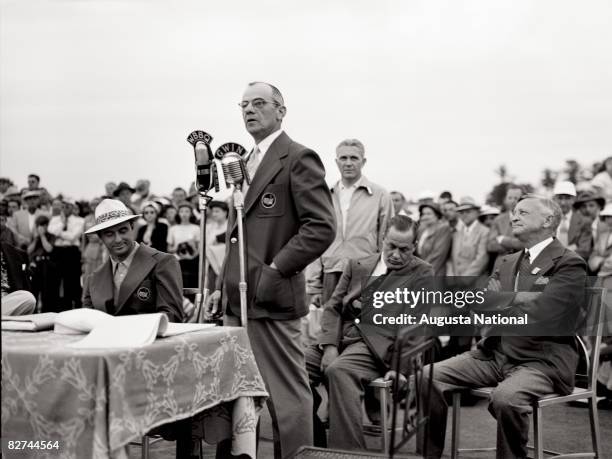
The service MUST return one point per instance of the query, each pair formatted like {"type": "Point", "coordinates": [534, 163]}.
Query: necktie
{"type": "Point", "coordinates": [118, 277]}
{"type": "Point", "coordinates": [524, 272]}
{"type": "Point", "coordinates": [251, 166]}
{"type": "Point", "coordinates": [562, 234]}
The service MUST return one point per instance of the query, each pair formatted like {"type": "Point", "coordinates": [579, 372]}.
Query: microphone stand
{"type": "Point", "coordinates": [203, 290]}
{"type": "Point", "coordinates": [242, 285]}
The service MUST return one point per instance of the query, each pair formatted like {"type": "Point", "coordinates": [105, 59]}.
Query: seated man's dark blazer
{"type": "Point", "coordinates": [16, 267]}
{"type": "Point", "coordinates": [344, 306]}
{"type": "Point", "coordinates": [559, 276]}
{"type": "Point", "coordinates": [153, 283]}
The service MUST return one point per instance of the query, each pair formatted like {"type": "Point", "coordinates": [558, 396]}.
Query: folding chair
{"type": "Point", "coordinates": [595, 322]}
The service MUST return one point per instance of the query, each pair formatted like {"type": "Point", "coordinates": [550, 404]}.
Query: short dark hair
{"type": "Point", "coordinates": [34, 176]}
{"type": "Point", "coordinates": [403, 224]}
{"type": "Point", "coordinates": [514, 186]}
{"type": "Point", "coordinates": [41, 220]}
{"type": "Point", "coordinates": [446, 195]}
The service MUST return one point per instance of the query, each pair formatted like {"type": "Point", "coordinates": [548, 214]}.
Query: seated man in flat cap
{"type": "Point", "coordinates": [136, 279]}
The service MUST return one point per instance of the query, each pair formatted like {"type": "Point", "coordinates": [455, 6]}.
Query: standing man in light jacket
{"type": "Point", "coordinates": [362, 209]}
{"type": "Point", "coordinates": [289, 222]}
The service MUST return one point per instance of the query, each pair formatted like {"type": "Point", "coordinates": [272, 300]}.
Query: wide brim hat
{"type": "Point", "coordinates": [587, 196]}
{"type": "Point", "coordinates": [122, 186]}
{"type": "Point", "coordinates": [432, 206]}
{"type": "Point", "coordinates": [111, 212]}
{"type": "Point", "coordinates": [467, 203]}
{"type": "Point", "coordinates": [31, 194]}
{"type": "Point", "coordinates": [564, 188]}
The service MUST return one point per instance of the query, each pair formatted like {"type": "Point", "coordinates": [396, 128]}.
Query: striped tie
{"type": "Point", "coordinates": [524, 272]}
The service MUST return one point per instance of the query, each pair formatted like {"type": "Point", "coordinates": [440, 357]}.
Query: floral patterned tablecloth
{"type": "Point", "coordinates": [97, 401]}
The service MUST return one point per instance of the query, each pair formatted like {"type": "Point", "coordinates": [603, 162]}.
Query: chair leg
{"type": "Point", "coordinates": [144, 449]}
{"type": "Point", "coordinates": [537, 433]}
{"type": "Point", "coordinates": [384, 421]}
{"type": "Point", "coordinates": [455, 426]}
{"type": "Point", "coordinates": [594, 418]}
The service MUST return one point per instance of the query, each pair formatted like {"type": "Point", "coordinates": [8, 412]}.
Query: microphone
{"type": "Point", "coordinates": [232, 164]}
{"type": "Point", "coordinates": [204, 160]}
{"type": "Point", "coordinates": [234, 169]}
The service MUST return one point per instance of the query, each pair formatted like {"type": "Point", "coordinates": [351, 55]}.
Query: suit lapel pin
{"type": "Point", "coordinates": [535, 270]}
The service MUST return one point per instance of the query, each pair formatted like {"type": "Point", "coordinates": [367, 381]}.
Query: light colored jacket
{"type": "Point", "coordinates": [366, 223]}
{"type": "Point", "coordinates": [469, 255]}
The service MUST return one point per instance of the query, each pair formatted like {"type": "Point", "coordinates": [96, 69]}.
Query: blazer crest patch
{"type": "Point", "coordinates": [268, 200]}
{"type": "Point", "coordinates": [143, 294]}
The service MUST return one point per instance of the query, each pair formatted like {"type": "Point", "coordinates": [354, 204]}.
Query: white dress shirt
{"type": "Point", "coordinates": [381, 267]}
{"type": "Point", "coordinates": [71, 236]}
{"type": "Point", "coordinates": [263, 147]}
{"type": "Point", "coordinates": [535, 251]}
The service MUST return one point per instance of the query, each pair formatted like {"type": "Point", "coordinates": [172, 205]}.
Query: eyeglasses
{"type": "Point", "coordinates": [257, 103]}
{"type": "Point", "coordinates": [148, 212]}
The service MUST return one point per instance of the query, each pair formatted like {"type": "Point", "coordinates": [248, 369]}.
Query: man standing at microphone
{"type": "Point", "coordinates": [289, 222]}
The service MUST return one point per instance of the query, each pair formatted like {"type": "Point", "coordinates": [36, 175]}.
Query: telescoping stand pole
{"type": "Point", "coordinates": [202, 295]}
{"type": "Point", "coordinates": [242, 285]}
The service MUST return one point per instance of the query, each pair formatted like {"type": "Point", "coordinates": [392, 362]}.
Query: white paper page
{"type": "Point", "coordinates": [173, 329]}
{"type": "Point", "coordinates": [122, 331]}
{"type": "Point", "coordinates": [77, 321]}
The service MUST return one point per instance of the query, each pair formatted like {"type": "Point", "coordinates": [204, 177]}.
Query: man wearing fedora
{"type": "Point", "coordinates": [136, 279]}
{"type": "Point", "coordinates": [469, 256]}
{"type": "Point", "coordinates": [23, 219]}
{"type": "Point", "coordinates": [124, 193]}
{"type": "Point", "coordinates": [574, 231]}
{"type": "Point", "coordinates": [589, 204]}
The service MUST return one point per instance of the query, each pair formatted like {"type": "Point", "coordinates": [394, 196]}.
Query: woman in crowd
{"type": "Point", "coordinates": [171, 215]}
{"type": "Point", "coordinates": [45, 275]}
{"type": "Point", "coordinates": [216, 226]}
{"type": "Point", "coordinates": [434, 238]}
{"type": "Point", "coordinates": [183, 240]}
{"type": "Point", "coordinates": [154, 233]}
{"type": "Point", "coordinates": [94, 252]}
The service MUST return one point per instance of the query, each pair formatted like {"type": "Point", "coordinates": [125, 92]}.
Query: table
{"type": "Point", "coordinates": [97, 401]}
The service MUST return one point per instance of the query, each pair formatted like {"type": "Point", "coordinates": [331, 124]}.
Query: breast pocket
{"type": "Point", "coordinates": [144, 296]}
{"type": "Point", "coordinates": [272, 201]}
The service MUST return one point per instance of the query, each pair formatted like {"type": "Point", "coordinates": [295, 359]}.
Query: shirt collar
{"type": "Point", "coordinates": [363, 182]}
{"type": "Point", "coordinates": [264, 145]}
{"type": "Point", "coordinates": [536, 250]}
{"type": "Point", "coordinates": [128, 261]}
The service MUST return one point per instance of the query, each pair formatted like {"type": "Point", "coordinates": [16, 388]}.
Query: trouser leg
{"type": "Point", "coordinates": [510, 404]}
{"type": "Point", "coordinates": [347, 378]}
{"type": "Point", "coordinates": [455, 373]}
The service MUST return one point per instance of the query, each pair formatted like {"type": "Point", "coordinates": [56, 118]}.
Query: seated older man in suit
{"type": "Point", "coordinates": [545, 281]}
{"type": "Point", "coordinates": [351, 351]}
{"type": "Point", "coordinates": [136, 279]}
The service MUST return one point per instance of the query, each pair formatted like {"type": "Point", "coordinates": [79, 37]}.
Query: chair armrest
{"type": "Point", "coordinates": [380, 382]}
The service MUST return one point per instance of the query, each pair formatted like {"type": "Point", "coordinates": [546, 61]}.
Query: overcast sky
{"type": "Point", "coordinates": [440, 92]}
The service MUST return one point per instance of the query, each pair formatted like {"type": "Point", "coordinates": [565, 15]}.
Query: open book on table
{"type": "Point", "coordinates": [102, 329]}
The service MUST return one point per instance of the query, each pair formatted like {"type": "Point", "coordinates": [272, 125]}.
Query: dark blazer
{"type": "Point", "coordinates": [16, 267]}
{"type": "Point", "coordinates": [159, 237]}
{"type": "Point", "coordinates": [153, 283]}
{"type": "Point", "coordinates": [435, 250]}
{"type": "Point", "coordinates": [560, 278]}
{"type": "Point", "coordinates": [346, 303]}
{"type": "Point", "coordinates": [289, 220]}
